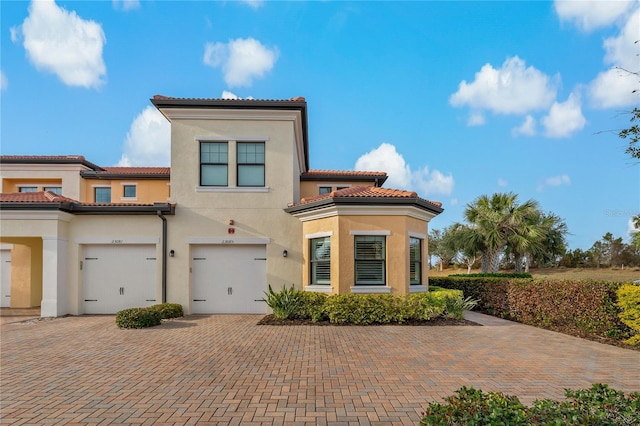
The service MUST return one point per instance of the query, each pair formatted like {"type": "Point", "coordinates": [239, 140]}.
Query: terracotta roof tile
{"type": "Point", "coordinates": [34, 197]}
{"type": "Point", "coordinates": [368, 192]}
{"type": "Point", "coordinates": [171, 98]}
{"type": "Point", "coordinates": [43, 157]}
{"type": "Point", "coordinates": [319, 173]}
{"type": "Point", "coordinates": [136, 170]}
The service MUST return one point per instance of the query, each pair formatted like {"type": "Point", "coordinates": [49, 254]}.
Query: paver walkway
{"type": "Point", "coordinates": [225, 369]}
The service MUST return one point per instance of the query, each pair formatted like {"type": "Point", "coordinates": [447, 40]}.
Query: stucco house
{"type": "Point", "coordinates": [239, 209]}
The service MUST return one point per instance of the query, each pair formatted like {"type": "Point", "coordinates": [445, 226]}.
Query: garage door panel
{"type": "Point", "coordinates": [228, 279]}
{"type": "Point", "coordinates": [118, 277]}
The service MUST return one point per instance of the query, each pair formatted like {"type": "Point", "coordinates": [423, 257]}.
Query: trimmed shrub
{"type": "Point", "coordinates": [138, 318]}
{"type": "Point", "coordinates": [629, 302]}
{"type": "Point", "coordinates": [168, 310]}
{"type": "Point", "coordinates": [586, 307]}
{"type": "Point", "coordinates": [363, 309]}
{"type": "Point", "coordinates": [311, 306]}
{"type": "Point", "coordinates": [284, 304]}
{"type": "Point", "coordinates": [496, 275]}
{"type": "Point", "coordinates": [599, 405]}
{"type": "Point", "coordinates": [425, 306]}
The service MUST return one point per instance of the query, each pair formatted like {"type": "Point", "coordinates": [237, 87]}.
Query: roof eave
{"type": "Point", "coordinates": [363, 201]}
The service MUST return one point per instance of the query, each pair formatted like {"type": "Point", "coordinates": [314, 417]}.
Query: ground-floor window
{"type": "Point", "coordinates": [415, 261]}
{"type": "Point", "coordinates": [320, 261]}
{"type": "Point", "coordinates": [370, 255]}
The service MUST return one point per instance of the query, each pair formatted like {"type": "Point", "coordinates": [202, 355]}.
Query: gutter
{"type": "Point", "coordinates": [164, 256]}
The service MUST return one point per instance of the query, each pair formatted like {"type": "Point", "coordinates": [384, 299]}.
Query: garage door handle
{"type": "Point", "coordinates": [199, 300]}
{"type": "Point", "coordinates": [150, 300]}
{"type": "Point", "coordinates": [90, 300]}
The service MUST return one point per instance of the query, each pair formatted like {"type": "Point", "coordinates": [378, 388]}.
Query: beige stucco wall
{"type": "Point", "coordinates": [399, 227]}
{"type": "Point", "coordinates": [147, 191]}
{"type": "Point", "coordinates": [26, 271]}
{"type": "Point", "coordinates": [68, 175]}
{"type": "Point", "coordinates": [203, 214]}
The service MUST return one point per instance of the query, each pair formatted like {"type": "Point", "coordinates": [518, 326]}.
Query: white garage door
{"type": "Point", "coordinates": [229, 279]}
{"type": "Point", "coordinates": [5, 278]}
{"type": "Point", "coordinates": [116, 277]}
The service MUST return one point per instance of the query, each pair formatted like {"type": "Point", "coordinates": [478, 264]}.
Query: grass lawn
{"type": "Point", "coordinates": [608, 274]}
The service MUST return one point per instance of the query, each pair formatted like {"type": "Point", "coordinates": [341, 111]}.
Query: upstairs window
{"type": "Point", "coordinates": [214, 163]}
{"type": "Point", "coordinates": [129, 191]}
{"type": "Point", "coordinates": [28, 189]}
{"type": "Point", "coordinates": [102, 195]}
{"type": "Point", "coordinates": [54, 189]}
{"type": "Point", "coordinates": [370, 259]}
{"type": "Point", "coordinates": [320, 261]}
{"type": "Point", "coordinates": [415, 261]}
{"type": "Point", "coordinates": [250, 163]}
{"type": "Point", "coordinates": [324, 190]}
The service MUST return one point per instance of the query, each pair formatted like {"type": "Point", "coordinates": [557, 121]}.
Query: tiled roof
{"type": "Point", "coordinates": [369, 192]}
{"type": "Point", "coordinates": [51, 159]}
{"type": "Point", "coordinates": [48, 200]}
{"type": "Point", "coordinates": [171, 98]}
{"type": "Point", "coordinates": [136, 170]}
{"type": "Point", "coordinates": [322, 173]}
{"type": "Point", "coordinates": [34, 197]}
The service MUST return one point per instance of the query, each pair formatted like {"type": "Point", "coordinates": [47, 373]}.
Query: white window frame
{"type": "Point", "coordinates": [371, 288]}
{"type": "Point", "coordinates": [125, 184]}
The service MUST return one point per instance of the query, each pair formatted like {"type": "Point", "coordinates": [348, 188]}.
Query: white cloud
{"type": "Point", "coordinates": [126, 4]}
{"type": "Point", "coordinates": [385, 158]}
{"type": "Point", "coordinates": [241, 60]}
{"type": "Point", "coordinates": [4, 83]}
{"type": "Point", "coordinates": [589, 15]}
{"type": "Point", "coordinates": [476, 119]}
{"type": "Point", "coordinates": [230, 95]}
{"type": "Point", "coordinates": [614, 87]}
{"type": "Point", "coordinates": [502, 182]}
{"type": "Point", "coordinates": [527, 128]}
{"type": "Point", "coordinates": [61, 42]}
{"type": "Point", "coordinates": [511, 89]}
{"type": "Point", "coordinates": [148, 141]}
{"type": "Point", "coordinates": [564, 118]}
{"type": "Point", "coordinates": [554, 181]}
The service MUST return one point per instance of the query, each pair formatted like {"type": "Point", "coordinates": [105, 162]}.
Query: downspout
{"type": "Point", "coordinates": [164, 256]}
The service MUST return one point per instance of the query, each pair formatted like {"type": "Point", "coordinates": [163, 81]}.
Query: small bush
{"type": "Point", "coordinates": [629, 302]}
{"type": "Point", "coordinates": [311, 306]}
{"type": "Point", "coordinates": [284, 304]}
{"type": "Point", "coordinates": [599, 405]}
{"type": "Point", "coordinates": [138, 318]}
{"type": "Point", "coordinates": [363, 309]}
{"type": "Point", "coordinates": [425, 306]}
{"type": "Point", "coordinates": [168, 310]}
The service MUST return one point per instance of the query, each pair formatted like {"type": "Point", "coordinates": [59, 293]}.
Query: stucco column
{"type": "Point", "coordinates": [54, 277]}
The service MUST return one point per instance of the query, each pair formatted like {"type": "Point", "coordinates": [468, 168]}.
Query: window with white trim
{"type": "Point", "coordinates": [320, 260]}
{"type": "Point", "coordinates": [129, 191]}
{"type": "Point", "coordinates": [415, 261]}
{"type": "Point", "coordinates": [28, 189]}
{"type": "Point", "coordinates": [102, 194]}
{"type": "Point", "coordinates": [324, 190]}
{"type": "Point", "coordinates": [214, 163]}
{"type": "Point", "coordinates": [250, 163]}
{"type": "Point", "coordinates": [370, 259]}
{"type": "Point", "coordinates": [54, 189]}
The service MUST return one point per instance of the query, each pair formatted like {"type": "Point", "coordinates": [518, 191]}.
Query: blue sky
{"type": "Point", "coordinates": [451, 99]}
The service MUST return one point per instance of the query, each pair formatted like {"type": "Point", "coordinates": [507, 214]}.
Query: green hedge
{"type": "Point", "coordinates": [584, 306]}
{"type": "Point", "coordinates": [597, 406]}
{"type": "Point", "coordinates": [629, 302]}
{"type": "Point", "coordinates": [496, 275]}
{"type": "Point", "coordinates": [364, 309]}
{"type": "Point", "coordinates": [138, 318]}
{"type": "Point", "coordinates": [148, 317]}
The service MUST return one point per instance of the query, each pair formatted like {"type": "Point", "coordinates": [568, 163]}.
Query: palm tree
{"type": "Point", "coordinates": [498, 220]}
{"type": "Point", "coordinates": [541, 237]}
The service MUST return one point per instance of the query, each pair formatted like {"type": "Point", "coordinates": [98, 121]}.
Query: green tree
{"type": "Point", "coordinates": [500, 220]}
{"type": "Point", "coordinates": [441, 246]}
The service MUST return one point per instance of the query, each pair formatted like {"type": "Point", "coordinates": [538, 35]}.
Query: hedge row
{"type": "Point", "coordinates": [363, 309]}
{"type": "Point", "coordinates": [629, 302]}
{"type": "Point", "coordinates": [585, 306]}
{"type": "Point", "coordinates": [148, 317]}
{"type": "Point", "coordinates": [598, 406]}
{"type": "Point", "coordinates": [496, 275]}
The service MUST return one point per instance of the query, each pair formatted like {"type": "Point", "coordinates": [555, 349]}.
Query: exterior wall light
{"type": "Point", "coordinates": [172, 253]}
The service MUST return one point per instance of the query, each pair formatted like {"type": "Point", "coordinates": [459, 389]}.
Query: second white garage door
{"type": "Point", "coordinates": [229, 279]}
{"type": "Point", "coordinates": [120, 276]}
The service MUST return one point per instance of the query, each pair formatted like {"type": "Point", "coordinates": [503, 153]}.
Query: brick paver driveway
{"type": "Point", "coordinates": [225, 369]}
